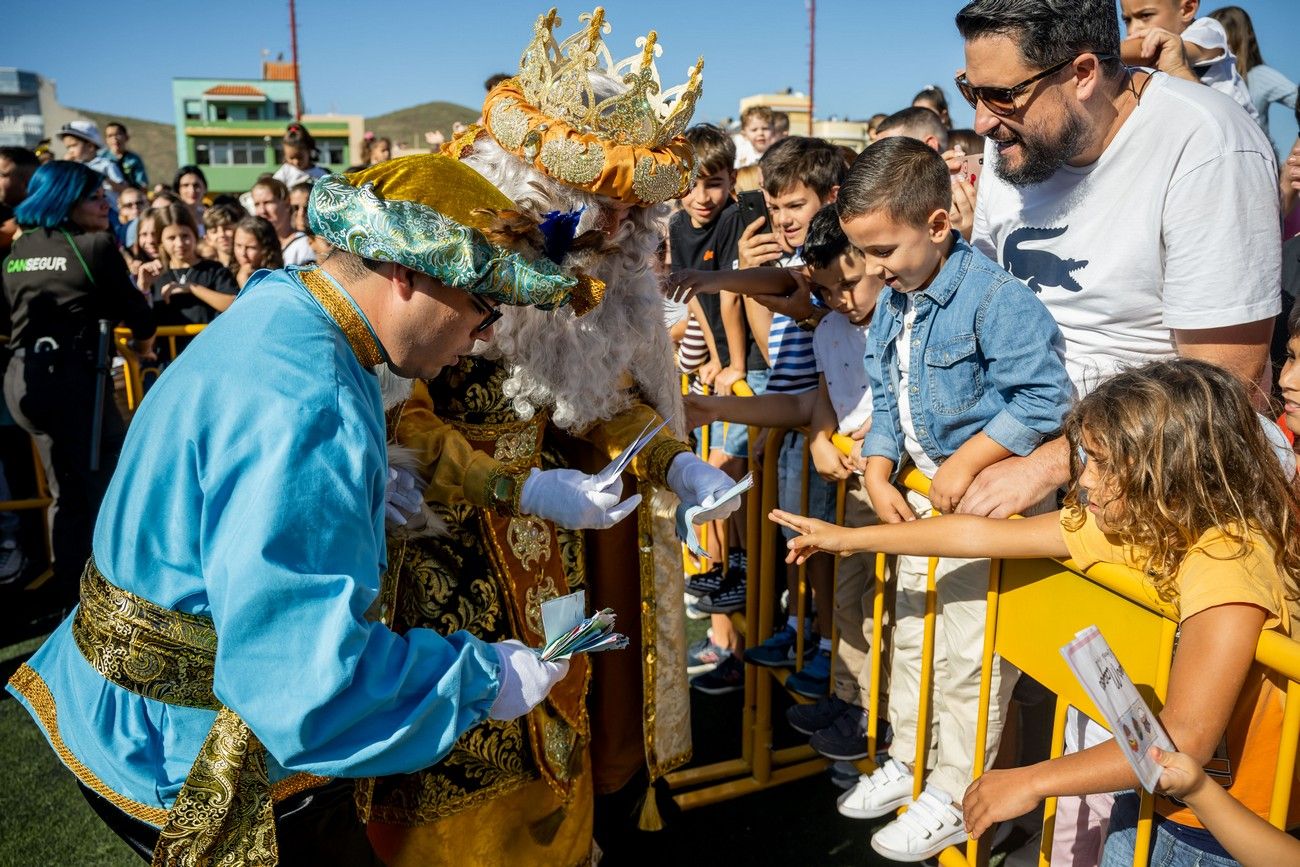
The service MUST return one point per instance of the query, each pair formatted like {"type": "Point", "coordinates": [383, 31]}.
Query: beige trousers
{"type": "Point", "coordinates": [855, 577]}
{"type": "Point", "coordinates": [960, 592]}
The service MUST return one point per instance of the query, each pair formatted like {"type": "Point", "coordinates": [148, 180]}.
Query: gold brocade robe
{"type": "Point", "coordinates": [490, 574]}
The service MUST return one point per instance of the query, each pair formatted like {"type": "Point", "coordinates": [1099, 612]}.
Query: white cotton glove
{"type": "Point", "coordinates": [694, 481]}
{"type": "Point", "coordinates": [525, 679]}
{"type": "Point", "coordinates": [402, 497]}
{"type": "Point", "coordinates": [575, 500]}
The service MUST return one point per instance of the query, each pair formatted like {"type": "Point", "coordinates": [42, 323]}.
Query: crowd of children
{"type": "Point", "coordinates": [879, 321]}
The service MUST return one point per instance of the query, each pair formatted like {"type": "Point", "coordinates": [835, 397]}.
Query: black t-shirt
{"type": "Point", "coordinates": [709, 248]}
{"type": "Point", "coordinates": [183, 308]}
{"type": "Point", "coordinates": [50, 294]}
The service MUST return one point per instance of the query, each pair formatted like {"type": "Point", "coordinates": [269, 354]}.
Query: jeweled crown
{"type": "Point", "coordinates": [555, 78]}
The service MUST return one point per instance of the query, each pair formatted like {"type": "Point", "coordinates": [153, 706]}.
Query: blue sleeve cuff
{"type": "Point", "coordinates": [879, 445]}
{"type": "Point", "coordinates": [1013, 435]}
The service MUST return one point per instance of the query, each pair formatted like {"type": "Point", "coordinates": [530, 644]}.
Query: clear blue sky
{"type": "Point", "coordinates": [372, 57]}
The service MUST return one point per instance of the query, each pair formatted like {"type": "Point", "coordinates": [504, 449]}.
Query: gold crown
{"type": "Point", "coordinates": [555, 78]}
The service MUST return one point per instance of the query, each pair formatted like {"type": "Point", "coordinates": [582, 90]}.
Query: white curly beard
{"type": "Point", "coordinates": [575, 366]}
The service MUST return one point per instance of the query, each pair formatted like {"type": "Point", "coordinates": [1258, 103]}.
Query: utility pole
{"type": "Point", "coordinates": [297, 78]}
{"type": "Point", "coordinates": [812, 58]}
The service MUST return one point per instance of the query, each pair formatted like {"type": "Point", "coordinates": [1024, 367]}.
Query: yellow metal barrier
{"type": "Point", "coordinates": [1034, 607]}
{"type": "Point", "coordinates": [41, 503]}
{"type": "Point", "coordinates": [136, 368]}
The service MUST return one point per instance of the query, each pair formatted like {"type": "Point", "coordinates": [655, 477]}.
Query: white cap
{"type": "Point", "coordinates": [83, 129]}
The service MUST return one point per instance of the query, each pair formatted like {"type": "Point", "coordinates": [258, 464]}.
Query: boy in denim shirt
{"type": "Point", "coordinates": [966, 368]}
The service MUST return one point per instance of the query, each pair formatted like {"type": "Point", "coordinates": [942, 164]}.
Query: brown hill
{"type": "Point", "coordinates": [154, 142]}
{"type": "Point", "coordinates": [407, 126]}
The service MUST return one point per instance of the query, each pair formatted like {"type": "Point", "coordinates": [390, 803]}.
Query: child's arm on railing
{"type": "Point", "coordinates": [957, 472]}
{"type": "Point", "coordinates": [831, 464]}
{"type": "Point", "coordinates": [943, 536]}
{"type": "Point", "coordinates": [763, 410]}
{"type": "Point", "coordinates": [888, 501]}
{"type": "Point", "coordinates": [1247, 837]}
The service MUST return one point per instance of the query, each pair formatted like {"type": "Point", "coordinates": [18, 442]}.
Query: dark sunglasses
{"type": "Point", "coordinates": [490, 314]}
{"type": "Point", "coordinates": [1001, 101]}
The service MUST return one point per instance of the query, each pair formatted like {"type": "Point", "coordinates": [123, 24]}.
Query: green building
{"type": "Point", "coordinates": [232, 127]}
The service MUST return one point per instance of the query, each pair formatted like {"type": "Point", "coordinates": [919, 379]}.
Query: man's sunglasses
{"type": "Point", "coordinates": [490, 314]}
{"type": "Point", "coordinates": [1002, 101]}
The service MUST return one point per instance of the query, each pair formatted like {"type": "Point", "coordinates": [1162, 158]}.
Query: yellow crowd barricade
{"type": "Point", "coordinates": [136, 368]}
{"type": "Point", "coordinates": [1034, 608]}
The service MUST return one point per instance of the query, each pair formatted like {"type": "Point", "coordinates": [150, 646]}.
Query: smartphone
{"type": "Point", "coordinates": [971, 167]}
{"type": "Point", "coordinates": [753, 206]}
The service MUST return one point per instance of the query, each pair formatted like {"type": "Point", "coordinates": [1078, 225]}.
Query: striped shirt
{"type": "Point", "coordinates": [790, 348]}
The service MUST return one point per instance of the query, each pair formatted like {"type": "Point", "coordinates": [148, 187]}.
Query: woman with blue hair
{"type": "Point", "coordinates": [63, 276]}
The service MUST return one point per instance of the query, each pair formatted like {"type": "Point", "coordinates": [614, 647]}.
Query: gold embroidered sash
{"type": "Point", "coordinates": [223, 814]}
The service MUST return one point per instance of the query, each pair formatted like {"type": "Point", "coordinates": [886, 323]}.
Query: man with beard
{"type": "Point", "coordinates": [593, 149]}
{"type": "Point", "coordinates": [1142, 208]}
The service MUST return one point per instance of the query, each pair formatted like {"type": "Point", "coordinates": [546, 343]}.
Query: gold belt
{"type": "Point", "coordinates": [223, 814]}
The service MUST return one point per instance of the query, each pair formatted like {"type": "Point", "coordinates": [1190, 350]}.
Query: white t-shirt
{"type": "Point", "coordinates": [299, 251]}
{"type": "Point", "coordinates": [1219, 72]}
{"type": "Point", "coordinates": [745, 153]}
{"type": "Point", "coordinates": [291, 176]}
{"type": "Point", "coordinates": [840, 348]}
{"type": "Point", "coordinates": [1175, 226]}
{"type": "Point", "coordinates": [903, 347]}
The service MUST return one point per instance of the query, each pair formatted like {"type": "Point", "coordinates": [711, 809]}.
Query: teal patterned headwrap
{"type": "Point", "coordinates": [427, 212]}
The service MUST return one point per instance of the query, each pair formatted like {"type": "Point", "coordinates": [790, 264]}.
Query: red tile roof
{"type": "Point", "coordinates": [233, 90]}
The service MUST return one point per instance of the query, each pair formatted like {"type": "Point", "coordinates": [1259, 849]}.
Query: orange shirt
{"type": "Point", "coordinates": [1215, 573]}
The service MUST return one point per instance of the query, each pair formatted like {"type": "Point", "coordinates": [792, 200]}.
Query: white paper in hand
{"type": "Point", "coordinates": [620, 463]}
{"type": "Point", "coordinates": [1135, 726]}
{"type": "Point", "coordinates": [688, 518]}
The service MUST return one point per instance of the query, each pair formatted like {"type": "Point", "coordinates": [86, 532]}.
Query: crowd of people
{"type": "Point", "coordinates": [1080, 312]}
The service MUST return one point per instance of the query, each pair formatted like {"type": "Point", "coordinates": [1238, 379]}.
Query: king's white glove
{"type": "Point", "coordinates": [575, 500]}
{"type": "Point", "coordinates": [402, 497]}
{"type": "Point", "coordinates": [525, 679]}
{"type": "Point", "coordinates": [694, 481]}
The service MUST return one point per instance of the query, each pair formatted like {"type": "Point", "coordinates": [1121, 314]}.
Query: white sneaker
{"type": "Point", "coordinates": [882, 791]}
{"type": "Point", "coordinates": [12, 561]}
{"type": "Point", "coordinates": [931, 824]}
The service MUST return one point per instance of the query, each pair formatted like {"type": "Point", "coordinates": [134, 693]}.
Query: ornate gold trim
{"type": "Point", "coordinates": [347, 318]}
{"type": "Point", "coordinates": [658, 456]}
{"type": "Point", "coordinates": [30, 685]}
{"type": "Point", "coordinates": [493, 432]}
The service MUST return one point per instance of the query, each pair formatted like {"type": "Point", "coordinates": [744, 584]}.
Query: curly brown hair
{"type": "Point", "coordinates": [1184, 452]}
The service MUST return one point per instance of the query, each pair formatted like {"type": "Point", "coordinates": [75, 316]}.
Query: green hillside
{"type": "Point", "coordinates": [154, 142]}
{"type": "Point", "coordinates": [407, 126]}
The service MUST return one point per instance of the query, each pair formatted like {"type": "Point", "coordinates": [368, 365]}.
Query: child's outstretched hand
{"type": "Point", "coordinates": [1182, 777]}
{"type": "Point", "coordinates": [814, 537]}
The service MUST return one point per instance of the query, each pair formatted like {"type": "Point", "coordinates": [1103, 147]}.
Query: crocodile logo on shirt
{"type": "Point", "coordinates": [1039, 268]}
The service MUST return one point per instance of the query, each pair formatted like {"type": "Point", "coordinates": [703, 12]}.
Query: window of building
{"type": "Point", "coordinates": [229, 152]}
{"type": "Point", "coordinates": [282, 110]}
{"type": "Point", "coordinates": [221, 112]}
{"type": "Point", "coordinates": [332, 152]}
{"type": "Point", "coordinates": [193, 109]}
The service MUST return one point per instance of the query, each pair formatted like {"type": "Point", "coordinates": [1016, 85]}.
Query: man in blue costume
{"type": "Point", "coordinates": [228, 655]}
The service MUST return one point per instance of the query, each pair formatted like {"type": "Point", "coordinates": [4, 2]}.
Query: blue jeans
{"type": "Point", "coordinates": [735, 441]}
{"type": "Point", "coordinates": [1174, 845]}
{"type": "Point", "coordinates": [791, 468]}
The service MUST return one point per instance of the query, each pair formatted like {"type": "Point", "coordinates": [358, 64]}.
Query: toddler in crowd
{"type": "Point", "coordinates": [1172, 475]}
{"type": "Point", "coordinates": [966, 368]}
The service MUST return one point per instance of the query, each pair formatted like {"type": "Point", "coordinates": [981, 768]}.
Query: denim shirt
{"type": "Point", "coordinates": [985, 356]}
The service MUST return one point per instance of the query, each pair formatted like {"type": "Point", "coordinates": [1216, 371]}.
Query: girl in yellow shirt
{"type": "Point", "coordinates": [1173, 476]}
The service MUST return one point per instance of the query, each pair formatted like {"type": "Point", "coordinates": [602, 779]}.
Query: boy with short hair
{"type": "Point", "coordinates": [800, 175]}
{"type": "Point", "coordinates": [838, 400]}
{"type": "Point", "coordinates": [966, 368]}
{"type": "Point", "coordinates": [1203, 40]}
